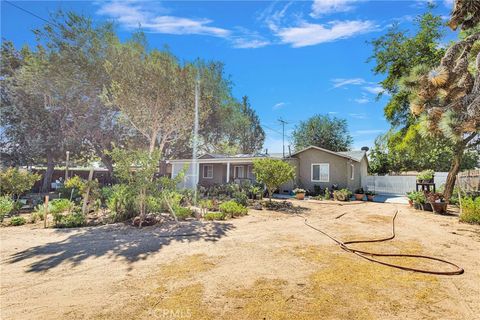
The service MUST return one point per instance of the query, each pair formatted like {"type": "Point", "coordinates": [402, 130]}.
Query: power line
{"type": "Point", "coordinates": [29, 12]}
{"type": "Point", "coordinates": [283, 122]}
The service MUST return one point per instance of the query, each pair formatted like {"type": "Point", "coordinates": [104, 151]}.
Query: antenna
{"type": "Point", "coordinates": [283, 122]}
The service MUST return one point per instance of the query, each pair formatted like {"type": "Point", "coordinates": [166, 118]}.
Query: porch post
{"type": "Point", "coordinates": [228, 172]}
{"type": "Point", "coordinates": [197, 176]}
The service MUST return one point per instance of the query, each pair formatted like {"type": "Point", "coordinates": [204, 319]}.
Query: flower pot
{"type": "Point", "coordinates": [410, 203]}
{"type": "Point", "coordinates": [300, 196]}
{"type": "Point", "coordinates": [417, 206]}
{"type": "Point", "coordinates": [439, 207]}
{"type": "Point", "coordinates": [370, 197]}
{"type": "Point", "coordinates": [359, 196]}
{"type": "Point", "coordinates": [427, 207]}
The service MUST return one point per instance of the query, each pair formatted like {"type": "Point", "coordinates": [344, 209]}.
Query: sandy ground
{"type": "Point", "coordinates": [267, 265]}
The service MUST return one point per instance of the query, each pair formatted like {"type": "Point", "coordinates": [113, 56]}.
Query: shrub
{"type": "Point", "coordinates": [155, 204]}
{"type": "Point", "coordinates": [73, 188]}
{"type": "Point", "coordinates": [273, 173]}
{"type": "Point", "coordinates": [327, 194]}
{"type": "Point", "coordinates": [6, 206]}
{"type": "Point", "coordinates": [426, 175]}
{"type": "Point", "coordinates": [60, 205]}
{"type": "Point", "coordinates": [182, 213]}
{"type": "Point", "coordinates": [417, 197]}
{"type": "Point", "coordinates": [207, 204]}
{"type": "Point", "coordinates": [71, 220]}
{"type": "Point", "coordinates": [233, 209]}
{"type": "Point", "coordinates": [121, 203]}
{"type": "Point", "coordinates": [15, 182]}
{"type": "Point", "coordinates": [470, 210]}
{"type": "Point", "coordinates": [17, 221]}
{"type": "Point", "coordinates": [342, 195]}
{"type": "Point", "coordinates": [240, 198]}
{"type": "Point", "coordinates": [214, 216]}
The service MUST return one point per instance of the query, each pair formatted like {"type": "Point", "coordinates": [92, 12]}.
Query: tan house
{"type": "Point", "coordinates": [314, 167]}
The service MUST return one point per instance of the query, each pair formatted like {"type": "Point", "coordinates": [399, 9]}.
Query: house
{"type": "Point", "coordinates": [314, 166]}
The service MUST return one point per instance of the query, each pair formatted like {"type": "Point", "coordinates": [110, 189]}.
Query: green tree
{"type": "Point", "coordinates": [273, 173]}
{"type": "Point", "coordinates": [322, 131]}
{"type": "Point", "coordinates": [252, 135]}
{"type": "Point", "coordinates": [14, 182]}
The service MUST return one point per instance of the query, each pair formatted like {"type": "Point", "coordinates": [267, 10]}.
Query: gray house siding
{"type": "Point", "coordinates": [219, 175]}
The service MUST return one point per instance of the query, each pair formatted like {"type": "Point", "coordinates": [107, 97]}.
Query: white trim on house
{"type": "Point", "coordinates": [352, 171]}
{"type": "Point", "coordinates": [320, 165]}
{"type": "Point", "coordinates": [209, 168]}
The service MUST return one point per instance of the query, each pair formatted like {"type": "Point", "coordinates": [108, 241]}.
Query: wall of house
{"type": "Point", "coordinates": [219, 175]}
{"type": "Point", "coordinates": [338, 169]}
{"type": "Point", "coordinates": [289, 186]}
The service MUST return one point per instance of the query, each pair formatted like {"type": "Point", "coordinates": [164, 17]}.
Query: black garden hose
{"type": "Point", "coordinates": [370, 255]}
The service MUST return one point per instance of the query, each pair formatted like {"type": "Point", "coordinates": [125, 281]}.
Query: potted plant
{"type": "Point", "coordinates": [299, 193]}
{"type": "Point", "coordinates": [370, 195]}
{"type": "Point", "coordinates": [359, 194]}
{"type": "Point", "coordinates": [342, 195]}
{"type": "Point", "coordinates": [437, 201]}
{"type": "Point", "coordinates": [426, 176]}
{"type": "Point", "coordinates": [418, 199]}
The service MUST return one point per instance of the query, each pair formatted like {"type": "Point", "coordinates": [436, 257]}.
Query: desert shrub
{"type": "Point", "coordinates": [470, 210]}
{"type": "Point", "coordinates": [342, 195]}
{"type": "Point", "coordinates": [233, 209]}
{"type": "Point", "coordinates": [417, 197]}
{"type": "Point", "coordinates": [14, 182]}
{"type": "Point", "coordinates": [240, 197]}
{"type": "Point", "coordinates": [214, 216]}
{"type": "Point", "coordinates": [17, 221]}
{"type": "Point", "coordinates": [188, 197]}
{"type": "Point", "coordinates": [327, 194]}
{"type": "Point", "coordinates": [121, 203]}
{"type": "Point", "coordinates": [207, 204]}
{"type": "Point", "coordinates": [71, 220]}
{"type": "Point", "coordinates": [6, 206]}
{"type": "Point", "coordinates": [182, 213]}
{"type": "Point", "coordinates": [73, 188]}
{"type": "Point", "coordinates": [60, 205]}
{"type": "Point", "coordinates": [155, 204]}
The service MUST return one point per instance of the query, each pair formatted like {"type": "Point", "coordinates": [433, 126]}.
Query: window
{"type": "Point", "coordinates": [207, 171]}
{"type": "Point", "coordinates": [320, 172]}
{"type": "Point", "coordinates": [238, 172]}
{"type": "Point", "coordinates": [352, 170]}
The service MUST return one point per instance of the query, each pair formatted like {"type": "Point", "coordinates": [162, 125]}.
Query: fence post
{"type": "Point", "coordinates": [46, 212]}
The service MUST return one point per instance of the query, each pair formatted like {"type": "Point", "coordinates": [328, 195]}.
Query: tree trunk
{"type": "Point", "coordinates": [153, 139]}
{"type": "Point", "coordinates": [47, 179]}
{"type": "Point", "coordinates": [452, 173]}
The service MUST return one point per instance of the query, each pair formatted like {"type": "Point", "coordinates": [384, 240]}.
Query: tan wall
{"type": "Point", "coordinates": [219, 175]}
{"type": "Point", "coordinates": [338, 169]}
{"type": "Point", "coordinates": [288, 187]}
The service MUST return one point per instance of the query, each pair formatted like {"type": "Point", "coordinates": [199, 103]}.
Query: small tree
{"type": "Point", "coordinates": [273, 173]}
{"type": "Point", "coordinates": [14, 182]}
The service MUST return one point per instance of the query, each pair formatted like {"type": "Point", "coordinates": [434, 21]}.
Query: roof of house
{"type": "Point", "coordinates": [356, 155]}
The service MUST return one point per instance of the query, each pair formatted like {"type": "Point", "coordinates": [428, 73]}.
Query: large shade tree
{"type": "Point", "coordinates": [322, 131]}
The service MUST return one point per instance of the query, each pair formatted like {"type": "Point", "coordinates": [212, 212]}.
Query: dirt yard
{"type": "Point", "coordinates": [267, 265]}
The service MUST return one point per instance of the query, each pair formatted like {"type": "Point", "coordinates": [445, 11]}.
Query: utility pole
{"type": "Point", "coordinates": [66, 166]}
{"type": "Point", "coordinates": [283, 122]}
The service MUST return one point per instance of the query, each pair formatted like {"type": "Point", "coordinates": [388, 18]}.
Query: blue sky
{"type": "Point", "coordinates": [293, 59]}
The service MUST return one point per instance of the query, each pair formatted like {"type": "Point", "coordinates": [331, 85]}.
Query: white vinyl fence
{"type": "Point", "coordinates": [397, 185]}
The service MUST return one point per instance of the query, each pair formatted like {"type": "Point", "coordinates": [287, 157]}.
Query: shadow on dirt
{"type": "Point", "coordinates": [117, 241]}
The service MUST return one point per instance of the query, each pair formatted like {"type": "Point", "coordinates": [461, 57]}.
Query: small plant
{"type": "Point", "coordinates": [240, 198]}
{"type": "Point", "coordinates": [327, 194]}
{"type": "Point", "coordinates": [121, 203]}
{"type": "Point", "coordinates": [182, 213]}
{"type": "Point", "coordinates": [73, 188]}
{"type": "Point", "coordinates": [298, 190]}
{"type": "Point", "coordinates": [426, 176]}
{"type": "Point", "coordinates": [58, 206]}
{"type": "Point", "coordinates": [17, 221]}
{"type": "Point", "coordinates": [359, 194]}
{"type": "Point", "coordinates": [71, 220]}
{"type": "Point", "coordinates": [418, 197]}
{"type": "Point", "coordinates": [6, 206]}
{"type": "Point", "coordinates": [214, 216]}
{"type": "Point", "coordinates": [233, 209]}
{"type": "Point", "coordinates": [470, 210]}
{"type": "Point", "coordinates": [342, 195]}
{"type": "Point", "coordinates": [359, 191]}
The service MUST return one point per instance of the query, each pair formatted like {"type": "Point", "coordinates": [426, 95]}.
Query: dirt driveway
{"type": "Point", "coordinates": [267, 265]}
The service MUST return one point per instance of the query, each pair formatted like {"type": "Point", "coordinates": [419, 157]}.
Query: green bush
{"type": "Point", "coordinates": [207, 204]}
{"type": "Point", "coordinates": [17, 221]}
{"type": "Point", "coordinates": [155, 204]}
{"type": "Point", "coordinates": [214, 216]}
{"type": "Point", "coordinates": [182, 213]}
{"type": "Point", "coordinates": [426, 175]}
{"type": "Point", "coordinates": [15, 182]}
{"type": "Point", "coordinates": [417, 197]}
{"type": "Point", "coordinates": [75, 184]}
{"type": "Point", "coordinates": [6, 206]}
{"type": "Point", "coordinates": [60, 205]}
{"type": "Point", "coordinates": [71, 220]}
{"type": "Point", "coordinates": [233, 209]}
{"type": "Point", "coordinates": [342, 195]}
{"type": "Point", "coordinates": [240, 198]}
{"type": "Point", "coordinates": [121, 203]}
{"type": "Point", "coordinates": [470, 210]}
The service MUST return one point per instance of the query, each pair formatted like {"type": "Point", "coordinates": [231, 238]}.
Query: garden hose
{"type": "Point", "coordinates": [370, 255]}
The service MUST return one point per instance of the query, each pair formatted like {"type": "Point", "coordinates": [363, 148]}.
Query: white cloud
{"type": "Point", "coordinates": [244, 43]}
{"type": "Point", "coordinates": [340, 82]}
{"type": "Point", "coordinates": [362, 100]}
{"type": "Point", "coordinates": [309, 34]}
{"type": "Point", "coordinates": [358, 115]}
{"type": "Point", "coordinates": [332, 112]}
{"type": "Point", "coordinates": [367, 132]}
{"type": "Point", "coordinates": [133, 14]}
{"type": "Point", "coordinates": [322, 7]}
{"type": "Point", "coordinates": [279, 105]}
{"type": "Point", "coordinates": [373, 89]}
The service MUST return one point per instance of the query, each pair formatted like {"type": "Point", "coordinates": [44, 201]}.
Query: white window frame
{"type": "Point", "coordinates": [319, 170]}
{"type": "Point", "coordinates": [235, 172]}
{"type": "Point", "coordinates": [209, 170]}
{"type": "Point", "coordinates": [352, 171]}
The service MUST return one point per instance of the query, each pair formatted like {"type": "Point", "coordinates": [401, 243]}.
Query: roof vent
{"type": "Point", "coordinates": [365, 149]}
